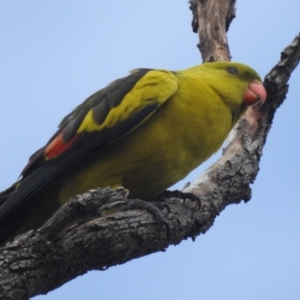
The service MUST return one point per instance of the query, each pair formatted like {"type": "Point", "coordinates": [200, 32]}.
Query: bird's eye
{"type": "Point", "coordinates": [232, 70]}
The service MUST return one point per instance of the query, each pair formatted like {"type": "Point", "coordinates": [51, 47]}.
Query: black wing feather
{"type": "Point", "coordinates": [40, 173]}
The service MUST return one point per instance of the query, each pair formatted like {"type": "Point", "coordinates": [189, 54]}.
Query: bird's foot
{"type": "Point", "coordinates": [153, 208]}
{"type": "Point", "coordinates": [178, 194]}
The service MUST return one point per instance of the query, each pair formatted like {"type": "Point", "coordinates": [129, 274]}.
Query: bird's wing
{"type": "Point", "coordinates": [101, 119]}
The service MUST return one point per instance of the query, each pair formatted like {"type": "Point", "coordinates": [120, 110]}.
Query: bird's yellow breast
{"type": "Point", "coordinates": [184, 132]}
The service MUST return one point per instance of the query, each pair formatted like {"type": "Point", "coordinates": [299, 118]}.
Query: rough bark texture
{"type": "Point", "coordinates": [211, 19]}
{"type": "Point", "coordinates": [101, 228]}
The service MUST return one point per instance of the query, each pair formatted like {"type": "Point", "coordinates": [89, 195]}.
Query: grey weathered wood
{"type": "Point", "coordinates": [211, 19]}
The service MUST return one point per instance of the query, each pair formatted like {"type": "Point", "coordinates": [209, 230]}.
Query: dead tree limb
{"type": "Point", "coordinates": [211, 19]}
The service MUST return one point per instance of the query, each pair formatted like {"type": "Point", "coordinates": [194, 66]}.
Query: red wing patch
{"type": "Point", "coordinates": [57, 146]}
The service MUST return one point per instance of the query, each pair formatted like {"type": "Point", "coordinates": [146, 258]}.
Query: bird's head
{"type": "Point", "coordinates": [239, 79]}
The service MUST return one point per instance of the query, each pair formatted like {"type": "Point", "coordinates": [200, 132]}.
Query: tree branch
{"type": "Point", "coordinates": [228, 180]}
{"type": "Point", "coordinates": [211, 19]}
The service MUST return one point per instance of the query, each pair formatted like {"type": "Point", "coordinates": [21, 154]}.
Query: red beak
{"type": "Point", "coordinates": [255, 93]}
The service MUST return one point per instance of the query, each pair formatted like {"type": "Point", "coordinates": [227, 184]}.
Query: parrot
{"type": "Point", "coordinates": [145, 132]}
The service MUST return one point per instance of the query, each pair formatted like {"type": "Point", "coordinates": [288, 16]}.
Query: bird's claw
{"type": "Point", "coordinates": [178, 194]}
{"type": "Point", "coordinates": [153, 208]}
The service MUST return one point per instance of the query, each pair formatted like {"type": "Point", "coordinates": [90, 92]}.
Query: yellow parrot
{"type": "Point", "coordinates": [145, 132]}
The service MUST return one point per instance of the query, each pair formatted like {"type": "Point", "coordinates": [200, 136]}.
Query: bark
{"type": "Point", "coordinates": [211, 19]}
{"type": "Point", "coordinates": [101, 228]}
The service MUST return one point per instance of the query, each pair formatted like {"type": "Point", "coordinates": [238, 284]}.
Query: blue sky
{"type": "Point", "coordinates": [54, 54]}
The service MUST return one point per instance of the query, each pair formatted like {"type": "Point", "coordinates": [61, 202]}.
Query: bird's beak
{"type": "Point", "coordinates": [255, 93]}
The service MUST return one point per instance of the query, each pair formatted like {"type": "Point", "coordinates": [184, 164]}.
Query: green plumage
{"type": "Point", "coordinates": [144, 132]}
